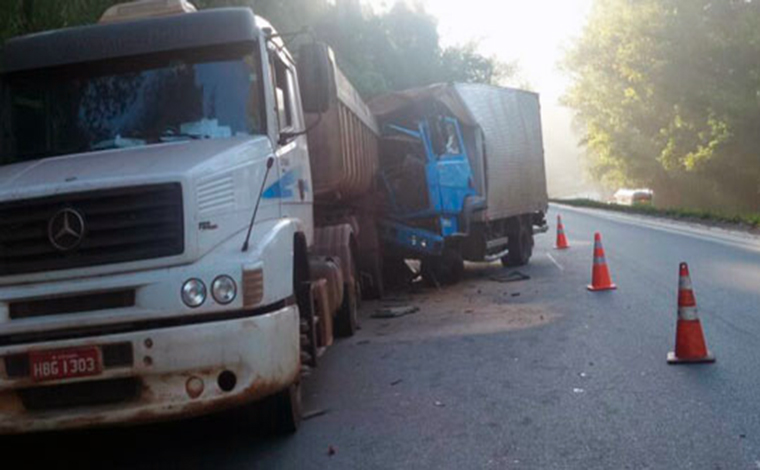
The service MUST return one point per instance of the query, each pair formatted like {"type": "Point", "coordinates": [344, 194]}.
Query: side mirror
{"type": "Point", "coordinates": [316, 77]}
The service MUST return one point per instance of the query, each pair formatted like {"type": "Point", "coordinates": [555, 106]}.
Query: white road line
{"type": "Point", "coordinates": [556, 263]}
{"type": "Point", "coordinates": [716, 235]}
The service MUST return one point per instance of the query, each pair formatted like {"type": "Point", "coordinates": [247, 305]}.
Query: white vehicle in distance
{"type": "Point", "coordinates": [633, 197]}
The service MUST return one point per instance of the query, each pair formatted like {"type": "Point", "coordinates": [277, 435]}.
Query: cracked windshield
{"type": "Point", "coordinates": [380, 234]}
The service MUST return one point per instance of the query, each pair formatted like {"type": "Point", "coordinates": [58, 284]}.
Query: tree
{"type": "Point", "coordinates": [666, 94]}
{"type": "Point", "coordinates": [393, 50]}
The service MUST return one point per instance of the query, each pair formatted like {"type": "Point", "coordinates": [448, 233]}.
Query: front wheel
{"type": "Point", "coordinates": [278, 414]}
{"type": "Point", "coordinates": [447, 269]}
{"type": "Point", "coordinates": [285, 409]}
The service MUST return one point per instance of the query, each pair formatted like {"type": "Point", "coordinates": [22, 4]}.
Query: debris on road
{"type": "Point", "coordinates": [439, 403]}
{"type": "Point", "coordinates": [314, 414]}
{"type": "Point", "coordinates": [516, 294]}
{"type": "Point", "coordinates": [331, 450]}
{"type": "Point", "coordinates": [578, 390]}
{"type": "Point", "coordinates": [513, 276]}
{"type": "Point", "coordinates": [396, 382]}
{"type": "Point", "coordinates": [394, 312]}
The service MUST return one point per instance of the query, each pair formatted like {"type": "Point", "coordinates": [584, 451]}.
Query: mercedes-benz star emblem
{"type": "Point", "coordinates": [66, 229]}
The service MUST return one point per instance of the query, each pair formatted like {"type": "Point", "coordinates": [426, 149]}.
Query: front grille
{"type": "Point", "coordinates": [114, 356]}
{"type": "Point", "coordinates": [71, 304]}
{"type": "Point", "coordinates": [99, 392]}
{"type": "Point", "coordinates": [120, 225]}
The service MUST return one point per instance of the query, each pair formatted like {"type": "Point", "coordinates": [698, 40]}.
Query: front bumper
{"type": "Point", "coordinates": [262, 351]}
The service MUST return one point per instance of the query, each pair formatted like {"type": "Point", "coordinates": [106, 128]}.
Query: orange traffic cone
{"type": "Point", "coordinates": [600, 275]}
{"type": "Point", "coordinates": [561, 238]}
{"type": "Point", "coordinates": [690, 341]}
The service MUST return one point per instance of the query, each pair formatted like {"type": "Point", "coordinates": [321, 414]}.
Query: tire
{"type": "Point", "coordinates": [284, 410]}
{"type": "Point", "coordinates": [302, 290]}
{"type": "Point", "coordinates": [520, 245]}
{"type": "Point", "coordinates": [396, 273]}
{"type": "Point", "coordinates": [454, 265]}
{"type": "Point", "coordinates": [346, 319]}
{"type": "Point", "coordinates": [276, 415]}
{"type": "Point", "coordinates": [447, 269]}
{"type": "Point", "coordinates": [375, 288]}
{"type": "Point", "coordinates": [430, 271]}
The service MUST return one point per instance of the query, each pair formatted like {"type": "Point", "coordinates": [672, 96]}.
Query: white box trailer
{"type": "Point", "coordinates": [509, 167]}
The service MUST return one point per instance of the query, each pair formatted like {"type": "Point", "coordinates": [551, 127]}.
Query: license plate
{"type": "Point", "coordinates": [64, 363]}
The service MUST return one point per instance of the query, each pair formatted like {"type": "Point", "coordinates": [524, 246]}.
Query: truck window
{"type": "Point", "coordinates": [213, 93]}
{"type": "Point", "coordinates": [452, 139]}
{"type": "Point", "coordinates": [283, 78]}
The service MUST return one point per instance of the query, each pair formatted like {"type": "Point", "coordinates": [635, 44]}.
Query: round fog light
{"type": "Point", "coordinates": [193, 292]}
{"type": "Point", "coordinates": [194, 387]}
{"type": "Point", "coordinates": [224, 289]}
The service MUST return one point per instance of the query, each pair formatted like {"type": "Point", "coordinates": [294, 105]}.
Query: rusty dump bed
{"type": "Point", "coordinates": [343, 147]}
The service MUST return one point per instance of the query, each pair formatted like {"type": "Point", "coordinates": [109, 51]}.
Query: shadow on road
{"type": "Point", "coordinates": [209, 442]}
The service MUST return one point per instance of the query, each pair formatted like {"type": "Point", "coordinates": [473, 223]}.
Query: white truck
{"type": "Point", "coordinates": [158, 250]}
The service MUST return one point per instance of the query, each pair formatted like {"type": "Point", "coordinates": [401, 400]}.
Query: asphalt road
{"type": "Point", "coordinates": [533, 374]}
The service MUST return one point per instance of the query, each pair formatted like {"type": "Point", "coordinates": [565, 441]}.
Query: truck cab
{"type": "Point", "coordinates": [155, 219]}
{"type": "Point", "coordinates": [426, 174]}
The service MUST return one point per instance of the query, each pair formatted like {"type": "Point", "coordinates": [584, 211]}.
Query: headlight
{"type": "Point", "coordinates": [193, 292]}
{"type": "Point", "coordinates": [223, 289]}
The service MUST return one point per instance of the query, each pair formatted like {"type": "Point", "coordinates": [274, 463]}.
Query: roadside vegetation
{"type": "Point", "coordinates": [379, 51]}
{"type": "Point", "coordinates": [708, 217]}
{"type": "Point", "coordinates": [666, 96]}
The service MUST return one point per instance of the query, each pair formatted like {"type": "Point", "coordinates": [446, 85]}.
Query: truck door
{"type": "Point", "coordinates": [452, 167]}
{"type": "Point", "coordinates": [293, 185]}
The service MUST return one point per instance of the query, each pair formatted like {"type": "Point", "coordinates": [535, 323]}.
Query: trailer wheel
{"type": "Point", "coordinates": [345, 321]}
{"type": "Point", "coordinates": [520, 245]}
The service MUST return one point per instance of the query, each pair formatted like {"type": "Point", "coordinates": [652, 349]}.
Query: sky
{"type": "Point", "coordinates": [535, 33]}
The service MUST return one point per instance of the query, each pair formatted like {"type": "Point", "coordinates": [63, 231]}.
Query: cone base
{"type": "Point", "coordinates": [600, 288]}
{"type": "Point", "coordinates": [673, 359]}
{"type": "Point", "coordinates": [561, 247]}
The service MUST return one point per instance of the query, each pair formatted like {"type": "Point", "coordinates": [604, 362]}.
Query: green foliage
{"type": "Point", "coordinates": [19, 17]}
{"type": "Point", "coordinates": [667, 93]}
{"type": "Point", "coordinates": [398, 49]}
{"type": "Point", "coordinates": [379, 52]}
{"type": "Point", "coordinates": [697, 215]}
